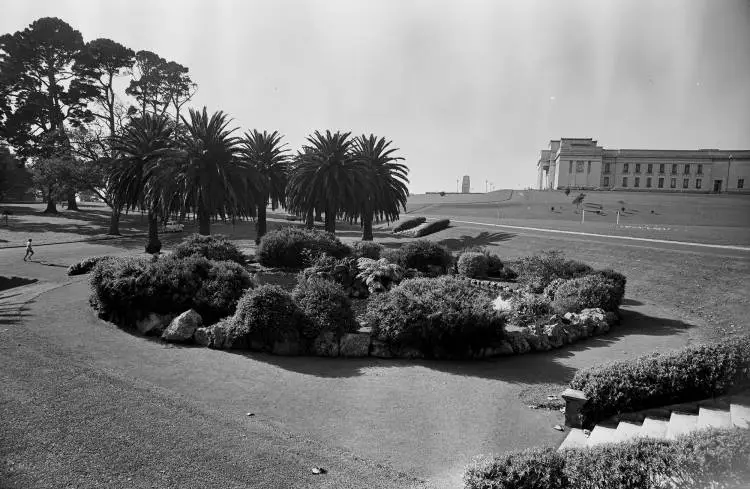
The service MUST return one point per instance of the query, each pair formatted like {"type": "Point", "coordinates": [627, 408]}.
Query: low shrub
{"type": "Point", "coordinates": [437, 316]}
{"type": "Point", "coordinates": [423, 255]}
{"type": "Point", "coordinates": [619, 279]}
{"type": "Point", "coordinates": [215, 247]}
{"type": "Point", "coordinates": [85, 265]}
{"type": "Point", "coordinates": [693, 373]}
{"type": "Point", "coordinates": [293, 247]}
{"type": "Point", "coordinates": [131, 286]}
{"type": "Point", "coordinates": [551, 289]}
{"type": "Point", "coordinates": [266, 314]}
{"type": "Point", "coordinates": [325, 307]}
{"type": "Point", "coordinates": [529, 309]}
{"type": "Point", "coordinates": [409, 224]}
{"type": "Point", "coordinates": [537, 271]}
{"type": "Point", "coordinates": [367, 249]}
{"type": "Point", "coordinates": [706, 458]}
{"type": "Point", "coordinates": [431, 228]}
{"type": "Point", "coordinates": [473, 264]}
{"type": "Point", "coordinates": [344, 271]}
{"type": "Point", "coordinates": [585, 292]}
{"type": "Point", "coordinates": [379, 275]}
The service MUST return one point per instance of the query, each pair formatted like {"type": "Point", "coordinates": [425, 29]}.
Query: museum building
{"type": "Point", "coordinates": [582, 164]}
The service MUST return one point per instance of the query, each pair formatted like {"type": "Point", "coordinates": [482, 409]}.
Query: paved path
{"type": "Point", "coordinates": [182, 410]}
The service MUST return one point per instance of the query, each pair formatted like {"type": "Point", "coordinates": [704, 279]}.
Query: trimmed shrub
{"type": "Point", "coordinates": [537, 271]}
{"type": "Point", "coordinates": [379, 275]}
{"type": "Point", "coordinates": [619, 279]}
{"type": "Point", "coordinates": [129, 287]}
{"type": "Point", "coordinates": [85, 265]}
{"type": "Point", "coordinates": [535, 468]}
{"type": "Point", "coordinates": [529, 309]}
{"type": "Point", "coordinates": [473, 264]}
{"type": "Point", "coordinates": [715, 455]}
{"type": "Point", "coordinates": [367, 249]}
{"type": "Point", "coordinates": [409, 224]}
{"type": "Point", "coordinates": [266, 314]}
{"type": "Point", "coordinates": [215, 247]}
{"type": "Point", "coordinates": [693, 373]}
{"type": "Point", "coordinates": [590, 291]}
{"type": "Point", "coordinates": [431, 228]}
{"type": "Point", "coordinates": [422, 255]}
{"type": "Point", "coordinates": [436, 316]}
{"type": "Point", "coordinates": [293, 247]}
{"type": "Point", "coordinates": [325, 306]}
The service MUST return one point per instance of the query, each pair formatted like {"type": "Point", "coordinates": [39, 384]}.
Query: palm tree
{"type": "Point", "coordinates": [143, 151]}
{"type": "Point", "coordinates": [267, 155]}
{"type": "Point", "coordinates": [326, 177]}
{"type": "Point", "coordinates": [211, 179]}
{"type": "Point", "coordinates": [387, 182]}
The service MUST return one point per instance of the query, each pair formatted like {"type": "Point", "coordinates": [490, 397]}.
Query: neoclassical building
{"type": "Point", "coordinates": [582, 164]}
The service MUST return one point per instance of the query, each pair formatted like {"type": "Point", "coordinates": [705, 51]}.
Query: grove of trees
{"type": "Point", "coordinates": [62, 118]}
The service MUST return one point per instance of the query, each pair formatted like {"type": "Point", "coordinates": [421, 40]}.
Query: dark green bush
{"type": "Point", "coordinates": [530, 309]}
{"type": "Point", "coordinates": [437, 316]}
{"type": "Point", "coordinates": [422, 255]}
{"type": "Point", "coordinates": [266, 314]}
{"type": "Point", "coordinates": [409, 224]}
{"type": "Point", "coordinates": [589, 291]}
{"type": "Point", "coordinates": [85, 265]}
{"type": "Point", "coordinates": [702, 459]}
{"type": "Point", "coordinates": [693, 373]}
{"type": "Point", "coordinates": [537, 271]}
{"type": "Point", "coordinates": [344, 272]}
{"type": "Point", "coordinates": [293, 247]}
{"type": "Point", "coordinates": [432, 227]}
{"type": "Point", "coordinates": [619, 279]}
{"type": "Point", "coordinates": [325, 307]}
{"type": "Point", "coordinates": [169, 285]}
{"type": "Point", "coordinates": [367, 249]}
{"type": "Point", "coordinates": [473, 264]}
{"type": "Point", "coordinates": [215, 247]}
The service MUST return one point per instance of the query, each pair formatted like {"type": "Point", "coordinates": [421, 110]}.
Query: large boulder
{"type": "Point", "coordinates": [591, 322]}
{"type": "Point", "coordinates": [203, 337]}
{"type": "Point", "coordinates": [182, 328]}
{"type": "Point", "coordinates": [503, 303]}
{"type": "Point", "coordinates": [355, 345]}
{"type": "Point", "coordinates": [556, 334]}
{"type": "Point", "coordinates": [153, 324]}
{"type": "Point", "coordinates": [326, 345]}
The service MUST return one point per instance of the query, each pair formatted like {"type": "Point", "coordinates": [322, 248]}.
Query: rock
{"type": "Point", "coordinates": [380, 349]}
{"type": "Point", "coordinates": [537, 339]}
{"type": "Point", "coordinates": [182, 328]}
{"type": "Point", "coordinates": [287, 347]}
{"type": "Point", "coordinates": [219, 336]}
{"type": "Point", "coordinates": [355, 345]}
{"type": "Point", "coordinates": [595, 321]}
{"type": "Point", "coordinates": [558, 427]}
{"type": "Point", "coordinates": [502, 304]}
{"type": "Point", "coordinates": [153, 323]}
{"type": "Point", "coordinates": [203, 337]}
{"type": "Point", "coordinates": [318, 470]}
{"type": "Point", "coordinates": [518, 341]}
{"type": "Point", "coordinates": [556, 334]}
{"type": "Point", "coordinates": [326, 345]}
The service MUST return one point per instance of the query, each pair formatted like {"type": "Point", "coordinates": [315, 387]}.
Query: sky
{"type": "Point", "coordinates": [472, 87]}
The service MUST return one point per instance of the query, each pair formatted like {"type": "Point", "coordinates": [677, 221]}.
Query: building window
{"type": "Point", "coordinates": [606, 168]}
{"type": "Point", "coordinates": [579, 166]}
{"type": "Point", "coordinates": [650, 168]}
{"type": "Point", "coordinates": [740, 183]}
{"type": "Point", "coordinates": [588, 169]}
{"type": "Point", "coordinates": [674, 168]}
{"type": "Point", "coordinates": [624, 181]}
{"type": "Point", "coordinates": [661, 168]}
{"type": "Point", "coordinates": [648, 182]}
{"type": "Point", "coordinates": [698, 183]}
{"type": "Point", "coordinates": [672, 183]}
{"type": "Point", "coordinates": [625, 168]}
{"type": "Point", "coordinates": [700, 169]}
{"type": "Point", "coordinates": [606, 181]}
{"type": "Point", "coordinates": [637, 168]}
{"type": "Point", "coordinates": [570, 167]}
{"type": "Point", "coordinates": [661, 183]}
{"type": "Point", "coordinates": [687, 169]}
{"type": "Point", "coordinates": [637, 182]}
{"type": "Point", "coordinates": [685, 182]}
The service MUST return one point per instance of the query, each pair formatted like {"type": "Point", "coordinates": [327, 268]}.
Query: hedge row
{"type": "Point", "coordinates": [698, 460]}
{"type": "Point", "coordinates": [215, 247]}
{"type": "Point", "coordinates": [296, 247]}
{"type": "Point", "coordinates": [428, 228]}
{"type": "Point", "coordinates": [693, 373]}
{"type": "Point", "coordinates": [422, 255]}
{"type": "Point", "coordinates": [409, 224]}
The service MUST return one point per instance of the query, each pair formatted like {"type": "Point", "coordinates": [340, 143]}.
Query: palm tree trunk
{"type": "Point", "coordinates": [204, 220]}
{"type": "Point", "coordinates": [153, 245]}
{"type": "Point", "coordinates": [114, 221]}
{"type": "Point", "coordinates": [330, 221]}
{"type": "Point", "coordinates": [260, 223]}
{"type": "Point", "coordinates": [318, 215]}
{"type": "Point", "coordinates": [367, 226]}
{"type": "Point", "coordinates": [72, 204]}
{"type": "Point", "coordinates": [310, 219]}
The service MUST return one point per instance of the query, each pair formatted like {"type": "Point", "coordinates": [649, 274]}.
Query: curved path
{"type": "Point", "coordinates": [93, 403]}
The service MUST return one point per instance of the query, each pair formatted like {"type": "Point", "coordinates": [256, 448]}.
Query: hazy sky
{"type": "Point", "coordinates": [461, 87]}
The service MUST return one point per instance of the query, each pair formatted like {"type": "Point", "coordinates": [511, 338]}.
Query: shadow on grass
{"type": "Point", "coordinates": [12, 282]}
{"type": "Point", "coordinates": [484, 238]}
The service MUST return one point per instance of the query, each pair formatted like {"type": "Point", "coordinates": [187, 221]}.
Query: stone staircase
{"type": "Point", "coordinates": [665, 423]}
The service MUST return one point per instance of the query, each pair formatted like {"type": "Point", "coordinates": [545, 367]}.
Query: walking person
{"type": "Point", "coordinates": [29, 250]}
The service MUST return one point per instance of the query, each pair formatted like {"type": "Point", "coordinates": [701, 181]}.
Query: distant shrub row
{"type": "Point", "coordinates": [708, 458]}
{"type": "Point", "coordinates": [409, 224]}
{"type": "Point", "coordinates": [296, 247]}
{"type": "Point", "coordinates": [425, 229]}
{"type": "Point", "coordinates": [693, 373]}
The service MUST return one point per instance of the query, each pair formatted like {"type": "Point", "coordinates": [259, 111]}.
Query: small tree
{"type": "Point", "coordinates": [578, 201]}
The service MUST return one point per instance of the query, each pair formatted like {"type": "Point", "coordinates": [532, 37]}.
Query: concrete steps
{"type": "Point", "coordinates": [664, 423]}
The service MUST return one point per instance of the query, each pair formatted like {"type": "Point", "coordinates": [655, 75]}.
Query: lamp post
{"type": "Point", "coordinates": [729, 166]}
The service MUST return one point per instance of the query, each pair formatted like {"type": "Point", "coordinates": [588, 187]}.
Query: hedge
{"type": "Point", "coordinates": [422, 255]}
{"type": "Point", "coordinates": [538, 271]}
{"type": "Point", "coordinates": [85, 265]}
{"type": "Point", "coordinates": [441, 317]}
{"type": "Point", "coordinates": [589, 291]}
{"type": "Point", "coordinates": [265, 315]}
{"type": "Point", "coordinates": [431, 228]}
{"type": "Point", "coordinates": [215, 247]}
{"type": "Point", "coordinates": [693, 461]}
{"type": "Point", "coordinates": [295, 247]}
{"type": "Point", "coordinates": [473, 264]}
{"type": "Point", "coordinates": [131, 286]}
{"type": "Point", "coordinates": [659, 379]}
{"type": "Point", "coordinates": [325, 307]}
{"type": "Point", "coordinates": [409, 224]}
